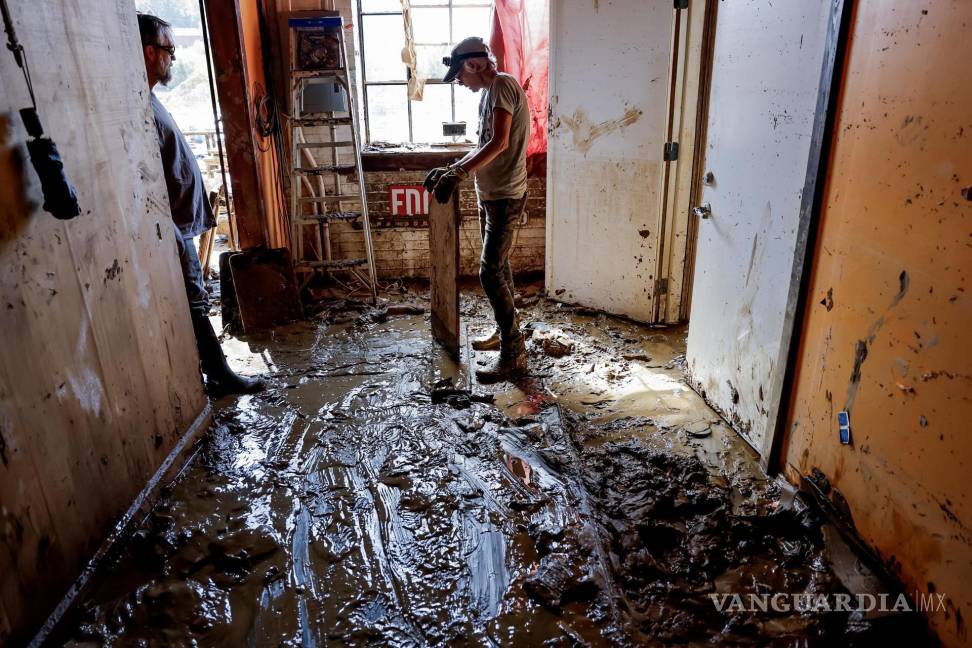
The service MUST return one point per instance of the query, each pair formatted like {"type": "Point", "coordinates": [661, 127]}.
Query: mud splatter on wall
{"type": "Point", "coordinates": [584, 132]}
{"type": "Point", "coordinates": [886, 334]}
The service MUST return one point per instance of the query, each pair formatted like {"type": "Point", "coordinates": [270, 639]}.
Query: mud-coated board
{"type": "Point", "coordinates": [444, 272]}
{"type": "Point", "coordinates": [266, 290]}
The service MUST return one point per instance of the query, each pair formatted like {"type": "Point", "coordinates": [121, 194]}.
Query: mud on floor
{"type": "Point", "coordinates": [373, 496]}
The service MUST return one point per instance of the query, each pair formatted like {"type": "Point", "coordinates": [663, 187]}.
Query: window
{"type": "Point", "coordinates": [390, 116]}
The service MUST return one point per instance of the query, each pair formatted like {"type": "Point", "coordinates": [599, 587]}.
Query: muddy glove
{"type": "Point", "coordinates": [433, 178]}
{"type": "Point", "coordinates": [447, 184]}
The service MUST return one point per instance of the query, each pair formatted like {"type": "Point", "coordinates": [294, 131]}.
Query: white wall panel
{"type": "Point", "coordinates": [609, 73]}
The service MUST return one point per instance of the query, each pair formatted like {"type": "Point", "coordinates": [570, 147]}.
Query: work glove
{"type": "Point", "coordinates": [447, 184]}
{"type": "Point", "coordinates": [433, 177]}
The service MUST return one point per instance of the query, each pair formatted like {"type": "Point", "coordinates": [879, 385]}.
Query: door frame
{"type": "Point", "coordinates": [693, 58]}
{"type": "Point", "coordinates": [693, 39]}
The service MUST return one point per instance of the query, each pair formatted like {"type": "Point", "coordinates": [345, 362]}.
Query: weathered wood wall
{"type": "Point", "coordinates": [98, 368]}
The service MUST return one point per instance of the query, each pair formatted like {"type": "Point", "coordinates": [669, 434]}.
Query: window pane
{"type": "Point", "coordinates": [380, 5]}
{"type": "Point", "coordinates": [430, 25]}
{"type": "Point", "coordinates": [384, 38]}
{"type": "Point", "coordinates": [470, 22]}
{"type": "Point", "coordinates": [471, 2]}
{"type": "Point", "coordinates": [428, 114]}
{"type": "Point", "coordinates": [467, 110]}
{"type": "Point", "coordinates": [388, 113]}
{"type": "Point", "coordinates": [430, 60]}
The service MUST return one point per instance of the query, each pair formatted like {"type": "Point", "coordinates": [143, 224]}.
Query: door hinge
{"type": "Point", "coordinates": [661, 286]}
{"type": "Point", "coordinates": [671, 151]}
{"type": "Point", "coordinates": [681, 4]}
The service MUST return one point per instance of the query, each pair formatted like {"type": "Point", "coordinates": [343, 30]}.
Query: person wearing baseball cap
{"type": "Point", "coordinates": [498, 164]}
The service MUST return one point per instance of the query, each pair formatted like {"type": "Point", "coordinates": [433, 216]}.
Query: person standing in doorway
{"type": "Point", "coordinates": [498, 164]}
{"type": "Point", "coordinates": [191, 212]}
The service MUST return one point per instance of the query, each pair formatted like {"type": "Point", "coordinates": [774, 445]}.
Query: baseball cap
{"type": "Point", "coordinates": [468, 48]}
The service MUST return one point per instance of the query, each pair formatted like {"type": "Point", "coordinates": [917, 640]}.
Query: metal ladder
{"type": "Point", "coordinates": [332, 189]}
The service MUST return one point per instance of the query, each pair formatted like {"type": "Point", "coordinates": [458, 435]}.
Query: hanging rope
{"type": "Point", "coordinates": [234, 244]}
{"type": "Point", "coordinates": [60, 198]}
{"type": "Point", "coordinates": [20, 55]}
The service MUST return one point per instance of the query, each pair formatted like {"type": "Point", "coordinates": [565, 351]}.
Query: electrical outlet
{"type": "Point", "coordinates": [843, 425]}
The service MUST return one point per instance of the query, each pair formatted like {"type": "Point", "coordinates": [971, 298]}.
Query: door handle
{"type": "Point", "coordinates": [703, 211]}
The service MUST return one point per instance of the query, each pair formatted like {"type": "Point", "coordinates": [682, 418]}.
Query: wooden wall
{"type": "Point", "coordinates": [98, 368]}
{"type": "Point", "coordinates": [886, 333]}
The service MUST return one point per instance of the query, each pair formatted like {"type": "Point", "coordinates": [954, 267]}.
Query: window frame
{"type": "Point", "coordinates": [365, 84]}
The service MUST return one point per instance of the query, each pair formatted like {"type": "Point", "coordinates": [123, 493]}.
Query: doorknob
{"type": "Point", "coordinates": [703, 211]}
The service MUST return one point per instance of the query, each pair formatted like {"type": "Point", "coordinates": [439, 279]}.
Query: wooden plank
{"type": "Point", "coordinates": [101, 376]}
{"type": "Point", "coordinates": [226, 38]}
{"type": "Point", "coordinates": [444, 272]}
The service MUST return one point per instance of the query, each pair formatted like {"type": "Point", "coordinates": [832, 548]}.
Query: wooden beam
{"type": "Point", "coordinates": [226, 39]}
{"type": "Point", "coordinates": [444, 272]}
{"type": "Point", "coordinates": [424, 160]}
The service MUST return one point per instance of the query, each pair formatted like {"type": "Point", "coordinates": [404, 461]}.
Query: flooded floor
{"type": "Point", "coordinates": [372, 495]}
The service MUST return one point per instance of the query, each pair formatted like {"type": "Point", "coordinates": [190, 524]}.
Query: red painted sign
{"type": "Point", "coordinates": [408, 200]}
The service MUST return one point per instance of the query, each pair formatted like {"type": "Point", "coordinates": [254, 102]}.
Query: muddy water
{"type": "Point", "coordinates": [374, 496]}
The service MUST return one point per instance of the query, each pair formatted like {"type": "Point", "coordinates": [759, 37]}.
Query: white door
{"type": "Point", "coordinates": [765, 79]}
{"type": "Point", "coordinates": [609, 80]}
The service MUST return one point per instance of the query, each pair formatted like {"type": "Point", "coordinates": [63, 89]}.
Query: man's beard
{"type": "Point", "coordinates": [166, 76]}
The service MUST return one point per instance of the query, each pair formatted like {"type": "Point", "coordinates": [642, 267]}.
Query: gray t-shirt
{"type": "Point", "coordinates": [505, 176]}
{"type": "Point", "coordinates": [187, 194]}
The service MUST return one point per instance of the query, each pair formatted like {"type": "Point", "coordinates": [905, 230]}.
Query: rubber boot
{"type": "Point", "coordinates": [512, 363]}
{"type": "Point", "coordinates": [220, 379]}
{"type": "Point", "coordinates": [491, 342]}
{"type": "Point", "coordinates": [488, 343]}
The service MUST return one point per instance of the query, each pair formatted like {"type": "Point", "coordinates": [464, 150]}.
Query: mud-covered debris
{"type": "Point", "coordinates": [404, 308]}
{"type": "Point", "coordinates": [555, 346]}
{"type": "Point", "coordinates": [678, 362]}
{"type": "Point", "coordinates": [699, 429]}
{"type": "Point", "coordinates": [350, 510]}
{"type": "Point", "coordinates": [533, 431]}
{"type": "Point", "coordinates": [526, 301]}
{"type": "Point", "coordinates": [471, 424]}
{"type": "Point", "coordinates": [444, 392]}
{"type": "Point", "coordinates": [587, 312]}
{"type": "Point", "coordinates": [559, 580]}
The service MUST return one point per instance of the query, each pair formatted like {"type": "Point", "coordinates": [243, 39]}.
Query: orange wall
{"type": "Point", "coordinates": [891, 273]}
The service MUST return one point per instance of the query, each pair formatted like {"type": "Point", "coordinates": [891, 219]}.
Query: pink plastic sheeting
{"type": "Point", "coordinates": [521, 42]}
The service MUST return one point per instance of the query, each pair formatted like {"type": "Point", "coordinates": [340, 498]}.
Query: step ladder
{"type": "Point", "coordinates": [321, 102]}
